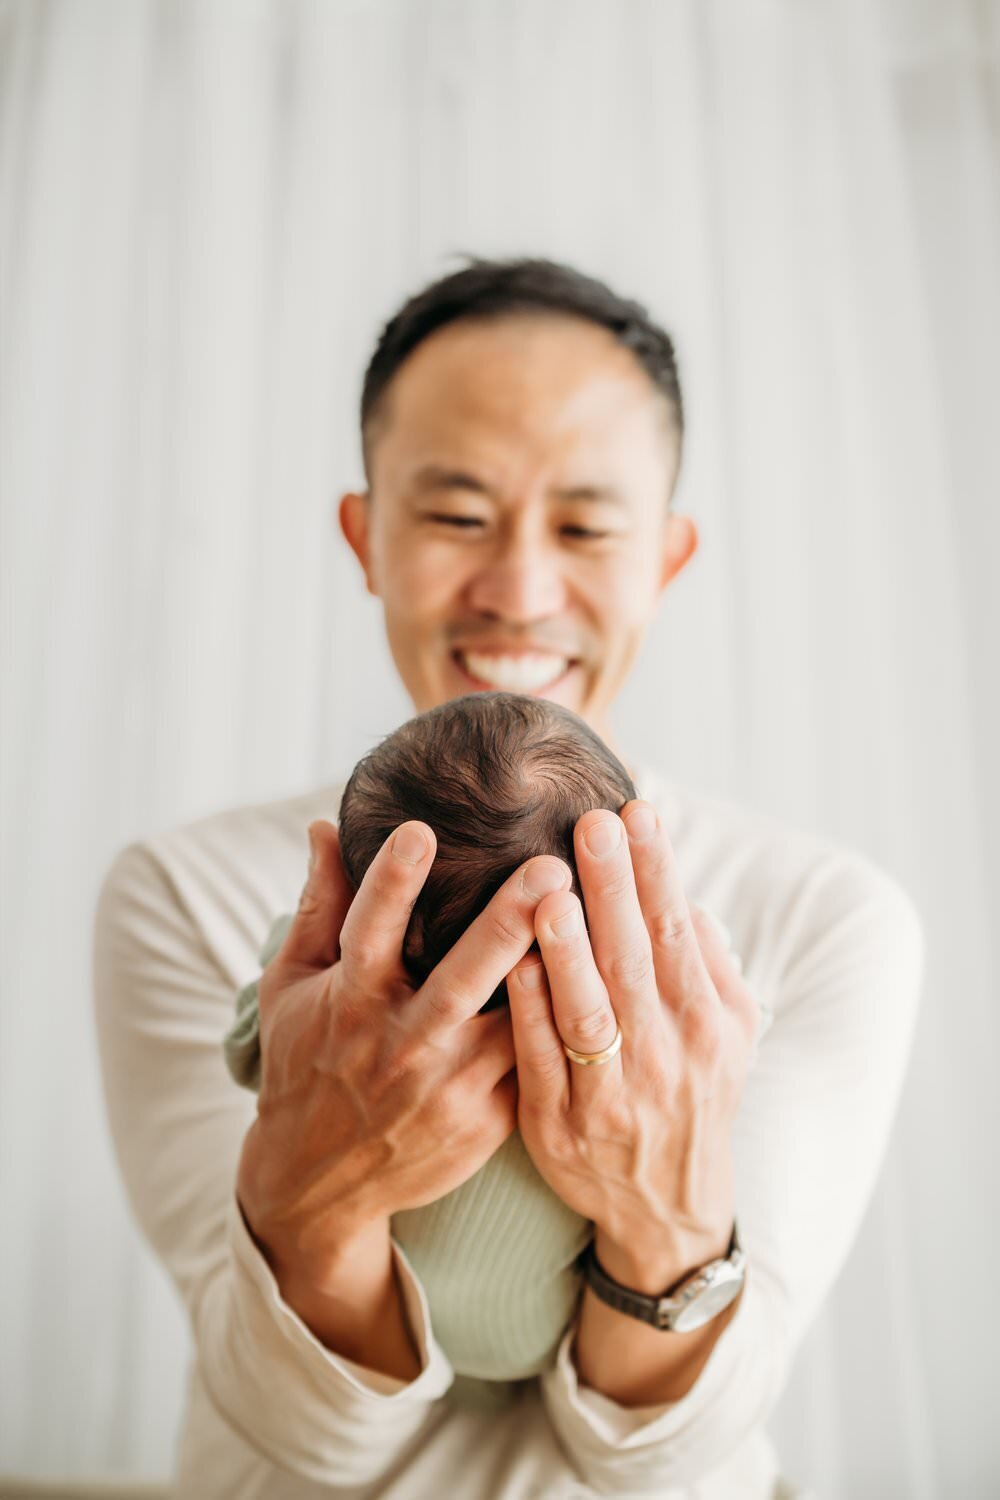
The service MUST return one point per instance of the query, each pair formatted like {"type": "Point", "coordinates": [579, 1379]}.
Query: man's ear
{"type": "Point", "coordinates": [354, 514]}
{"type": "Point", "coordinates": [680, 542]}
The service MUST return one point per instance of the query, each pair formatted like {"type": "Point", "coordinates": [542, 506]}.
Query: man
{"type": "Point", "coordinates": [522, 430]}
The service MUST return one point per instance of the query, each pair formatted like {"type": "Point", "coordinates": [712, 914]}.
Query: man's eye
{"type": "Point", "coordinates": [457, 520]}
{"type": "Point", "coordinates": [582, 531]}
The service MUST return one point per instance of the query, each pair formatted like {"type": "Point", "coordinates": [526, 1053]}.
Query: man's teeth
{"type": "Point", "coordinates": [516, 674]}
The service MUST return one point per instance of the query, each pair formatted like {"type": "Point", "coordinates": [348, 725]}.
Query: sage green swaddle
{"type": "Point", "coordinates": [499, 777]}
{"type": "Point", "coordinates": [495, 1256]}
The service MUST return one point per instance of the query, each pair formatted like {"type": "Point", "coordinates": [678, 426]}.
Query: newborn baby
{"type": "Point", "coordinates": [499, 777]}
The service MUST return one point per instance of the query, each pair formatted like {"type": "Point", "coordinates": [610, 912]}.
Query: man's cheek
{"type": "Point", "coordinates": [407, 592]}
{"type": "Point", "coordinates": [423, 577]}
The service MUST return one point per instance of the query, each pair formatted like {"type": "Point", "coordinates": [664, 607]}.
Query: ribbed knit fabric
{"type": "Point", "coordinates": [503, 1230]}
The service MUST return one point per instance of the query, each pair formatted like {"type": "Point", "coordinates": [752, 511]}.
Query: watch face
{"type": "Point", "coordinates": [709, 1302]}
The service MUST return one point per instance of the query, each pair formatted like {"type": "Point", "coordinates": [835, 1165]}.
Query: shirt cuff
{"type": "Point", "coordinates": [595, 1421]}
{"type": "Point", "coordinates": [436, 1374]}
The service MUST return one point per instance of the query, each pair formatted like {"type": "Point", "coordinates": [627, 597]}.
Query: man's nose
{"type": "Point", "coordinates": [521, 580]}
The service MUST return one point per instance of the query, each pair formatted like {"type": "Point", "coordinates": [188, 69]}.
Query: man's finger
{"type": "Point", "coordinates": [725, 968]}
{"type": "Point", "coordinates": [542, 1076]}
{"type": "Point", "coordinates": [676, 953]}
{"type": "Point", "coordinates": [618, 937]}
{"type": "Point", "coordinates": [490, 946]}
{"type": "Point", "coordinates": [313, 938]}
{"type": "Point", "coordinates": [490, 1047]}
{"type": "Point", "coordinates": [371, 941]}
{"type": "Point", "coordinates": [582, 1009]}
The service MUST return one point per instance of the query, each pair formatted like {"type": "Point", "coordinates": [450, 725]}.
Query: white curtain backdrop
{"type": "Point", "coordinates": [208, 210]}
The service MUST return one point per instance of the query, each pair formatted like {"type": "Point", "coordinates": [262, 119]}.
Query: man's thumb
{"type": "Point", "coordinates": [314, 936]}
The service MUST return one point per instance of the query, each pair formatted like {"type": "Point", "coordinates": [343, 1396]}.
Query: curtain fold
{"type": "Point", "coordinates": [207, 211]}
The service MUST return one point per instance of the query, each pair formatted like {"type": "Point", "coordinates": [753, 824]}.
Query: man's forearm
{"type": "Point", "coordinates": [354, 1304]}
{"type": "Point", "coordinates": [627, 1360]}
{"type": "Point", "coordinates": [359, 1314]}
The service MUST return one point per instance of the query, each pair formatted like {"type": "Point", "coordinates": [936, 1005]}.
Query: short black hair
{"type": "Point", "coordinates": [500, 777]}
{"type": "Point", "coordinates": [487, 289]}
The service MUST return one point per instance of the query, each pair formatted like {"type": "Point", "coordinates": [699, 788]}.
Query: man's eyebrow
{"type": "Point", "coordinates": [605, 492]}
{"type": "Point", "coordinates": [436, 476]}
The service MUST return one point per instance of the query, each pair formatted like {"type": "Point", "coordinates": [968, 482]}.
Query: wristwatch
{"type": "Point", "coordinates": [695, 1299]}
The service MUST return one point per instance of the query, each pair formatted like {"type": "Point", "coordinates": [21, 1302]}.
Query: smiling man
{"type": "Point", "coordinates": [517, 525]}
{"type": "Point", "coordinates": [522, 428]}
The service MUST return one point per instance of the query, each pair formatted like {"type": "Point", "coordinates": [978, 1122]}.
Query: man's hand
{"type": "Point", "coordinates": [375, 1097]}
{"type": "Point", "coordinates": [639, 1144]}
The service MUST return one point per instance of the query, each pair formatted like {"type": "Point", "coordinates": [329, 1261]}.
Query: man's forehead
{"type": "Point", "coordinates": [525, 399]}
{"type": "Point", "coordinates": [560, 370]}
{"type": "Point", "coordinates": [596, 422]}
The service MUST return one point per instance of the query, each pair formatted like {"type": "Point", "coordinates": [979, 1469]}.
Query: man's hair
{"type": "Point", "coordinates": [487, 289]}
{"type": "Point", "coordinates": [499, 777]}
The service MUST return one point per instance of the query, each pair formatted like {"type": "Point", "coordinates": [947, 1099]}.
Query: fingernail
{"type": "Point", "coordinates": [641, 823]}
{"type": "Point", "coordinates": [312, 851]}
{"type": "Point", "coordinates": [531, 976]}
{"type": "Point", "coordinates": [603, 838]}
{"type": "Point", "coordinates": [543, 878]}
{"type": "Point", "coordinates": [409, 845]}
{"type": "Point", "coordinates": [568, 923]}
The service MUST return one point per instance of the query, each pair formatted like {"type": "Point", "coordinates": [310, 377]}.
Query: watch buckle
{"type": "Point", "coordinates": [663, 1310]}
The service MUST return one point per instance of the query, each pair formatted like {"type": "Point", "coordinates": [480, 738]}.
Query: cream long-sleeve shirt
{"type": "Point", "coordinates": [830, 941]}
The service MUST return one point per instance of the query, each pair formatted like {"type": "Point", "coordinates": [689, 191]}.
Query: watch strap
{"type": "Point", "coordinates": [660, 1311]}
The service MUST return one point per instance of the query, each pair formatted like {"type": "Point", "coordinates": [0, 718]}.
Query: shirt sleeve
{"type": "Point", "coordinates": [808, 1145]}
{"type": "Point", "coordinates": [177, 1120]}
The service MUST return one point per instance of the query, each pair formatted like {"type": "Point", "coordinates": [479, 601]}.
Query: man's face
{"type": "Point", "coordinates": [517, 529]}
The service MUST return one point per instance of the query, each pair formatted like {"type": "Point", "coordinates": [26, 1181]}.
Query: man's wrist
{"type": "Point", "coordinates": [652, 1267]}
{"type": "Point", "coordinates": [318, 1257]}
{"type": "Point", "coordinates": [351, 1301]}
{"type": "Point", "coordinates": [357, 1257]}
{"type": "Point", "coordinates": [348, 1287]}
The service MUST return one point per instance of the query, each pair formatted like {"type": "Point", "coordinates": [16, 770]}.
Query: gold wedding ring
{"type": "Point", "coordinates": [586, 1058]}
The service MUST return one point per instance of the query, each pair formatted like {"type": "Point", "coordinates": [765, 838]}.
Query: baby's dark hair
{"type": "Point", "coordinates": [499, 777]}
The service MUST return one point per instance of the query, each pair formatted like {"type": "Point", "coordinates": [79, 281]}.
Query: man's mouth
{"type": "Point", "coordinates": [527, 672]}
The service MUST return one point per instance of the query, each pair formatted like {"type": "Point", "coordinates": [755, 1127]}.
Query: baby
{"type": "Point", "coordinates": [499, 777]}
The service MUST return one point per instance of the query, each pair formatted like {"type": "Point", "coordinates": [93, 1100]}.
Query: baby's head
{"type": "Point", "coordinates": [499, 777]}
